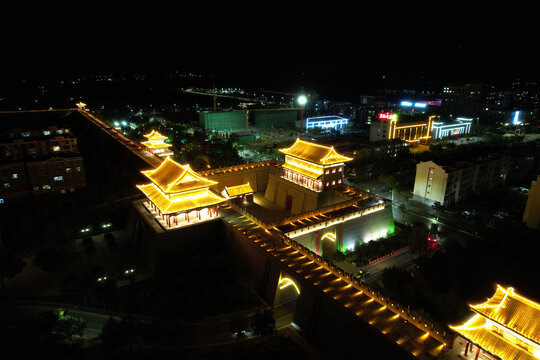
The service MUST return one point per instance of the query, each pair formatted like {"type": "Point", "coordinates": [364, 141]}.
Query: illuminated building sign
{"type": "Point", "coordinates": [387, 116]}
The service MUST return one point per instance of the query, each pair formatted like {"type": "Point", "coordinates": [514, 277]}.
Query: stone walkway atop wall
{"type": "Point", "coordinates": [264, 210]}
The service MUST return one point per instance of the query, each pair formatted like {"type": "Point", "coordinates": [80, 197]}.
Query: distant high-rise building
{"type": "Point", "coordinates": [468, 100]}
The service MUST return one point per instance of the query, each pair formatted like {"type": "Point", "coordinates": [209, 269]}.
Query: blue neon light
{"type": "Point", "coordinates": [516, 118]}
{"type": "Point", "coordinates": [406, 103]}
{"type": "Point", "coordinates": [420, 105]}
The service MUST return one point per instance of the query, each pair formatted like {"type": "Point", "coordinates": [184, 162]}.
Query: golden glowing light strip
{"type": "Point", "coordinates": [286, 282]}
{"type": "Point", "coordinates": [330, 236]}
{"type": "Point", "coordinates": [334, 154]}
{"type": "Point", "coordinates": [334, 222]}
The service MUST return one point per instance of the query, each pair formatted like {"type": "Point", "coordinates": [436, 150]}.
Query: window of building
{"type": "Point", "coordinates": [78, 168]}
{"type": "Point", "coordinates": [68, 170]}
{"type": "Point", "coordinates": [333, 182]}
{"type": "Point", "coordinates": [327, 183]}
{"type": "Point", "coordinates": [25, 134]}
{"type": "Point", "coordinates": [333, 170]}
{"type": "Point", "coordinates": [58, 178]}
{"type": "Point", "coordinates": [339, 181]}
{"type": "Point", "coordinates": [59, 131]}
{"type": "Point", "coordinates": [14, 176]}
{"type": "Point", "coordinates": [46, 132]}
{"type": "Point", "coordinates": [56, 148]}
{"type": "Point", "coordinates": [327, 171]}
{"type": "Point", "coordinates": [36, 188]}
{"type": "Point", "coordinates": [340, 168]}
{"type": "Point", "coordinates": [46, 187]}
{"type": "Point", "coordinates": [7, 185]}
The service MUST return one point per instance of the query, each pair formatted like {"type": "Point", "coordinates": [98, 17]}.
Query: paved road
{"type": "Point", "coordinates": [12, 313]}
{"type": "Point", "coordinates": [401, 260]}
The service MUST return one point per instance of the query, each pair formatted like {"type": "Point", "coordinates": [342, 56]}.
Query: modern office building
{"type": "Point", "coordinates": [531, 215]}
{"type": "Point", "coordinates": [452, 183]}
{"type": "Point", "coordinates": [461, 126]}
{"type": "Point", "coordinates": [275, 118]}
{"type": "Point", "coordinates": [469, 100]}
{"type": "Point", "coordinates": [326, 122]}
{"type": "Point", "coordinates": [412, 129]}
{"type": "Point", "coordinates": [506, 327]}
{"type": "Point", "coordinates": [223, 120]}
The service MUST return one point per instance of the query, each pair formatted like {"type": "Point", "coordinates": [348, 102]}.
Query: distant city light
{"type": "Point", "coordinates": [302, 100]}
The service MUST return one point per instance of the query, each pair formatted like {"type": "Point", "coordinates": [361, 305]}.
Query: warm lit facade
{"type": "Point", "coordinates": [178, 195]}
{"type": "Point", "coordinates": [387, 127]}
{"type": "Point", "coordinates": [313, 166]}
{"type": "Point", "coordinates": [452, 183]}
{"type": "Point", "coordinates": [156, 144]}
{"type": "Point", "coordinates": [506, 326]}
{"type": "Point", "coordinates": [531, 216]}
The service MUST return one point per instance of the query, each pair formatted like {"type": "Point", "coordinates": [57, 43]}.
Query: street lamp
{"type": "Point", "coordinates": [302, 100]}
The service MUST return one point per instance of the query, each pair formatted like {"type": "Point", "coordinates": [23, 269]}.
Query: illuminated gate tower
{"type": "Point", "coordinates": [156, 145]}
{"type": "Point", "coordinates": [506, 326]}
{"type": "Point", "coordinates": [316, 167]}
{"type": "Point", "coordinates": [178, 196]}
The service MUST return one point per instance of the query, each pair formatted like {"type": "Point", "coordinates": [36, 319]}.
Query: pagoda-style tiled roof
{"type": "Point", "coordinates": [238, 190]}
{"type": "Point", "coordinates": [314, 153]}
{"type": "Point", "coordinates": [513, 311]}
{"type": "Point", "coordinates": [476, 331]}
{"type": "Point", "coordinates": [172, 177]}
{"type": "Point", "coordinates": [181, 202]}
{"type": "Point", "coordinates": [154, 135]}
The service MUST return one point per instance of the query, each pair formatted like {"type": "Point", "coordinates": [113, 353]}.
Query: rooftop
{"type": "Point", "coordinates": [314, 153]}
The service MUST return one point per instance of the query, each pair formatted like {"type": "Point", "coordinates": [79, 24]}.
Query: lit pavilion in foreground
{"type": "Point", "coordinates": [313, 166]}
{"type": "Point", "coordinates": [506, 326]}
{"type": "Point", "coordinates": [177, 195]}
{"type": "Point", "coordinates": [156, 144]}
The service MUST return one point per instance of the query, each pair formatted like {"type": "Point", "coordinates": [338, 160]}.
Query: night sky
{"type": "Point", "coordinates": [333, 49]}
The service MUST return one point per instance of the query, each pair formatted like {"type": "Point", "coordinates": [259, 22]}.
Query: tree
{"type": "Point", "coordinates": [67, 326]}
{"type": "Point", "coordinates": [10, 265]}
{"type": "Point", "coordinates": [388, 181]}
{"type": "Point", "coordinates": [118, 333]}
{"type": "Point", "coordinates": [263, 323]}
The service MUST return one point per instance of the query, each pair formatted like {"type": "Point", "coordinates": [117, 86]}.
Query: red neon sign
{"type": "Point", "coordinates": [388, 116]}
